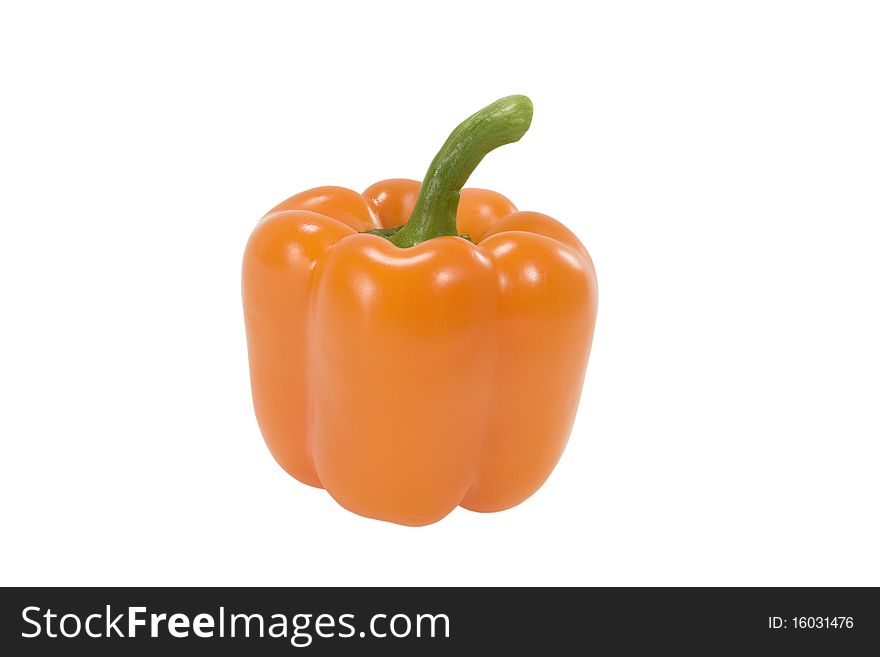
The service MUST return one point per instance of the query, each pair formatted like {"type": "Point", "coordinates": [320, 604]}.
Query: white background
{"type": "Point", "coordinates": [719, 160]}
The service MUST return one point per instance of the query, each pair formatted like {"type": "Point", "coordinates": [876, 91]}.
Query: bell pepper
{"type": "Point", "coordinates": [419, 347]}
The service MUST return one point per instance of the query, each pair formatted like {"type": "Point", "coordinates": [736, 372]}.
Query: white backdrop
{"type": "Point", "coordinates": [719, 160]}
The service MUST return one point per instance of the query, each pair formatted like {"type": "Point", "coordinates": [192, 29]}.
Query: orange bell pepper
{"type": "Point", "coordinates": [409, 370]}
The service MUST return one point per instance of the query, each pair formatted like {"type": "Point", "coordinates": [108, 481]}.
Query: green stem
{"type": "Point", "coordinates": [503, 122]}
{"type": "Point", "coordinates": [384, 232]}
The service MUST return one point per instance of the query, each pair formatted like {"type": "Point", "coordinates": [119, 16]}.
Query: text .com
{"type": "Point", "coordinates": [300, 629]}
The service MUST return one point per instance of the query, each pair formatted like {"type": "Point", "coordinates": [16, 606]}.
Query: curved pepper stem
{"type": "Point", "coordinates": [503, 122]}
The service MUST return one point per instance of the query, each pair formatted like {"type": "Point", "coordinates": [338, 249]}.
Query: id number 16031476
{"type": "Point", "coordinates": [811, 623]}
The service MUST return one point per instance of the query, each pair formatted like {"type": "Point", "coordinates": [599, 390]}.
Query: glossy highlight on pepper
{"type": "Point", "coordinates": [418, 347]}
